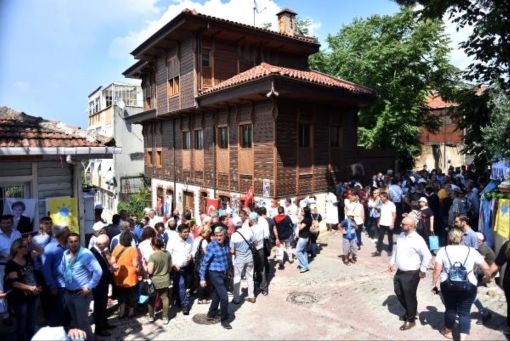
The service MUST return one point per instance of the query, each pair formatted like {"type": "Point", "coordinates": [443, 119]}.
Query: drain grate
{"type": "Point", "coordinates": [202, 319]}
{"type": "Point", "coordinates": [302, 298]}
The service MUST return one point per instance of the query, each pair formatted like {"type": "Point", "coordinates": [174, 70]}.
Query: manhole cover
{"type": "Point", "coordinates": [302, 298]}
{"type": "Point", "coordinates": [202, 319]}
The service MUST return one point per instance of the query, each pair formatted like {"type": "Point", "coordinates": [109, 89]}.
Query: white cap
{"type": "Point", "coordinates": [98, 226]}
{"type": "Point", "coordinates": [237, 221]}
{"type": "Point", "coordinates": [423, 199]}
{"type": "Point", "coordinates": [98, 207]}
{"type": "Point", "coordinates": [480, 236]}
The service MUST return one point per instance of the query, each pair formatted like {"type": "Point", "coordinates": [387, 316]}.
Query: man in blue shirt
{"type": "Point", "coordinates": [216, 263]}
{"type": "Point", "coordinates": [81, 273]}
{"type": "Point", "coordinates": [54, 284]}
{"type": "Point", "coordinates": [469, 237]}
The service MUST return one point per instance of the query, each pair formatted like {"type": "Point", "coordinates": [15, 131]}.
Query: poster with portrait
{"type": "Point", "coordinates": [22, 211]}
{"type": "Point", "coordinates": [64, 211]}
{"type": "Point", "coordinates": [266, 188]}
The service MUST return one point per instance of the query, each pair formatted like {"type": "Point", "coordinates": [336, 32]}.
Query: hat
{"type": "Point", "coordinates": [237, 221]}
{"type": "Point", "coordinates": [480, 236]}
{"type": "Point", "coordinates": [254, 216]}
{"type": "Point", "coordinates": [423, 199]}
{"type": "Point", "coordinates": [58, 230]}
{"type": "Point", "coordinates": [98, 226]}
{"type": "Point", "coordinates": [99, 207]}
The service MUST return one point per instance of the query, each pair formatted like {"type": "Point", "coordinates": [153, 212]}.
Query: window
{"type": "Point", "coordinates": [304, 135]}
{"type": "Point", "coordinates": [148, 158]}
{"type": "Point", "coordinates": [173, 86]}
{"type": "Point", "coordinates": [246, 135]}
{"type": "Point", "coordinates": [334, 136]}
{"type": "Point", "coordinates": [158, 158]}
{"type": "Point", "coordinates": [186, 140]}
{"type": "Point", "coordinates": [222, 137]}
{"type": "Point", "coordinates": [206, 58]}
{"type": "Point", "coordinates": [198, 139]}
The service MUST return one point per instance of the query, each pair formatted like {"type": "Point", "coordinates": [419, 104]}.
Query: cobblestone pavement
{"type": "Point", "coordinates": [346, 302]}
{"type": "Point", "coordinates": [331, 301]}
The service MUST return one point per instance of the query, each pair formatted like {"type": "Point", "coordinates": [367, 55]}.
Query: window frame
{"type": "Point", "coordinates": [305, 140]}
{"type": "Point", "coordinates": [198, 139]}
{"type": "Point", "coordinates": [149, 157]}
{"type": "Point", "coordinates": [242, 127]}
{"type": "Point", "coordinates": [186, 140]}
{"type": "Point", "coordinates": [219, 138]}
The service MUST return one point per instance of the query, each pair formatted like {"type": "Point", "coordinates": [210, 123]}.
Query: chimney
{"type": "Point", "coordinates": [287, 21]}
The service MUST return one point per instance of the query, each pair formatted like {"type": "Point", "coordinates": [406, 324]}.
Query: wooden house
{"type": "Point", "coordinates": [230, 106]}
{"type": "Point", "coordinates": [41, 159]}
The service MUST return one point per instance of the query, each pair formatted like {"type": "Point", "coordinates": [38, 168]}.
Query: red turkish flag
{"type": "Point", "coordinates": [211, 206]}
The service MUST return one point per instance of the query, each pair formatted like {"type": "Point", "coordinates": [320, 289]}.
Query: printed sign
{"type": "Point", "coordinates": [64, 211]}
{"type": "Point", "coordinates": [266, 188]}
{"type": "Point", "coordinates": [22, 211]}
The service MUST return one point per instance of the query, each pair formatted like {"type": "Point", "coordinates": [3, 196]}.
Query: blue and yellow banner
{"type": "Point", "coordinates": [64, 211]}
{"type": "Point", "coordinates": [502, 222]}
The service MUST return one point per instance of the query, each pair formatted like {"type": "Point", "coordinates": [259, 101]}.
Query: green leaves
{"type": "Point", "coordinates": [403, 59]}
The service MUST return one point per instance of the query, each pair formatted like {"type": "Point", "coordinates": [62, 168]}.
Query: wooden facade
{"type": "Point", "coordinates": [295, 133]}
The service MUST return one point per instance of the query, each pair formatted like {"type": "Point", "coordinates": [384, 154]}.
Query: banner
{"type": "Point", "coordinates": [502, 222]}
{"type": "Point", "coordinates": [64, 211]}
{"type": "Point", "coordinates": [211, 206]}
{"type": "Point", "coordinates": [22, 211]}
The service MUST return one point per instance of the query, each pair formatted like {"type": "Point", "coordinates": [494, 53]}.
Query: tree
{"type": "Point", "coordinates": [137, 202]}
{"type": "Point", "coordinates": [488, 44]}
{"type": "Point", "coordinates": [303, 26]}
{"type": "Point", "coordinates": [496, 134]}
{"type": "Point", "coordinates": [403, 60]}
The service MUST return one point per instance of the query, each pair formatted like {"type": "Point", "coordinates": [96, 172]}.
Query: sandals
{"type": "Point", "coordinates": [446, 333]}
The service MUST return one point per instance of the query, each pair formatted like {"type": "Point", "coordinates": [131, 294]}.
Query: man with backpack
{"type": "Point", "coordinates": [411, 260]}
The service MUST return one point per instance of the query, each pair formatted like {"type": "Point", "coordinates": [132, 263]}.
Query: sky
{"type": "Point", "coordinates": [54, 53]}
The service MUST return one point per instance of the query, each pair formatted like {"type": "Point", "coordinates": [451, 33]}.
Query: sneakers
{"type": "Point", "coordinates": [151, 319]}
{"type": "Point", "coordinates": [304, 270]}
{"type": "Point", "coordinates": [250, 299]}
{"type": "Point", "coordinates": [376, 254]}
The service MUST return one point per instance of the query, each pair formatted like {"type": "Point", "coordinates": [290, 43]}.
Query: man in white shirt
{"type": "Point", "coordinates": [386, 224]}
{"type": "Point", "coordinates": [411, 259]}
{"type": "Point", "coordinates": [260, 230]}
{"type": "Point", "coordinates": [243, 259]}
{"type": "Point", "coordinates": [291, 210]}
{"type": "Point", "coordinates": [153, 218]}
{"type": "Point", "coordinates": [180, 250]}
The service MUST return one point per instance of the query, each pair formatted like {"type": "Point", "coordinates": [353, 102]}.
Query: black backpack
{"type": "Point", "coordinates": [199, 255]}
{"type": "Point", "coordinates": [458, 275]}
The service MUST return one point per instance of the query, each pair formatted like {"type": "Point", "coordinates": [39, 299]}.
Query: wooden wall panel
{"type": "Point", "coordinates": [209, 149]}
{"type": "Point", "coordinates": [263, 142]}
{"type": "Point", "coordinates": [225, 61]}
{"type": "Point", "coordinates": [161, 84]}
{"type": "Point", "coordinates": [233, 132]}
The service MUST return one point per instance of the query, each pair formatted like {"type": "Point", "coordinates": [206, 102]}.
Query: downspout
{"type": "Point", "coordinates": [77, 193]}
{"type": "Point", "coordinates": [215, 180]}
{"type": "Point", "coordinates": [175, 168]}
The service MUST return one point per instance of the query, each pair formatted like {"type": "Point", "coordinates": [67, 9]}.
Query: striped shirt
{"type": "Point", "coordinates": [217, 258]}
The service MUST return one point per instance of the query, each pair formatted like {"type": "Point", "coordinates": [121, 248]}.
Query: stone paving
{"type": "Point", "coordinates": [346, 302]}
{"type": "Point", "coordinates": [331, 301]}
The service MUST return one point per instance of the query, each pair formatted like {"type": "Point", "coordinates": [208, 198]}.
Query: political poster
{"type": "Point", "coordinates": [23, 213]}
{"type": "Point", "coordinates": [64, 211]}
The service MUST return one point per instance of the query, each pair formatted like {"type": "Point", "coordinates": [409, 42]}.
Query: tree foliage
{"type": "Point", "coordinates": [137, 202]}
{"type": "Point", "coordinates": [403, 59]}
{"type": "Point", "coordinates": [488, 44]}
{"type": "Point", "coordinates": [303, 26]}
{"type": "Point", "coordinates": [484, 116]}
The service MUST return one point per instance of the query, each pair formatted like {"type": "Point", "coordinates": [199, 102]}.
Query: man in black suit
{"type": "Point", "coordinates": [20, 222]}
{"type": "Point", "coordinates": [100, 292]}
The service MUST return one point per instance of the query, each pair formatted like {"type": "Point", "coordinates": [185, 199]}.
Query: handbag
{"type": "Point", "coordinates": [433, 242]}
{"type": "Point", "coordinates": [148, 288]}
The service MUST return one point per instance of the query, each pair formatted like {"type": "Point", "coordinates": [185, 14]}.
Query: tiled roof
{"type": "Point", "coordinates": [434, 101]}
{"type": "Point", "coordinates": [22, 130]}
{"type": "Point", "coordinates": [311, 76]}
{"type": "Point", "coordinates": [307, 39]}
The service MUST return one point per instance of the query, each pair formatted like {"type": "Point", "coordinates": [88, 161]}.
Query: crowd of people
{"type": "Point", "coordinates": [162, 262]}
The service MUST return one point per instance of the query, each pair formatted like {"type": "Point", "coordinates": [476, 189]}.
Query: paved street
{"type": "Point", "coordinates": [355, 302]}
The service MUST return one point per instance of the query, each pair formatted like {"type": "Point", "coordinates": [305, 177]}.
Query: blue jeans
{"type": "Point", "coordinates": [179, 288]}
{"type": "Point", "coordinates": [458, 303]}
{"type": "Point", "coordinates": [79, 308]}
{"type": "Point", "coordinates": [301, 253]}
{"type": "Point", "coordinates": [25, 317]}
{"type": "Point", "coordinates": [219, 294]}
